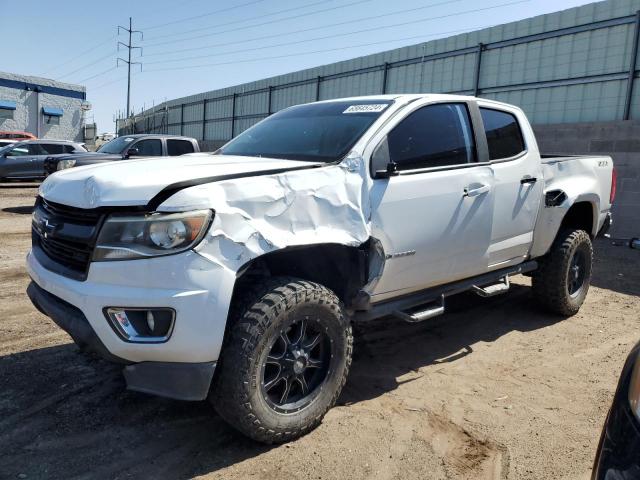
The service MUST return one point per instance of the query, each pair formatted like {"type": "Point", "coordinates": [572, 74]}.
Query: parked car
{"type": "Point", "coordinates": [25, 160]}
{"type": "Point", "coordinates": [6, 142]}
{"type": "Point", "coordinates": [618, 455]}
{"type": "Point", "coordinates": [236, 276]}
{"type": "Point", "coordinates": [125, 147]}
{"type": "Point", "coordinates": [17, 136]}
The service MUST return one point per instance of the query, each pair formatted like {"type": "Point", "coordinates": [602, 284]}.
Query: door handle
{"type": "Point", "coordinates": [474, 192]}
{"type": "Point", "coordinates": [528, 179]}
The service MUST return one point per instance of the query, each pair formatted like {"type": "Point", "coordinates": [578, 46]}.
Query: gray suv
{"type": "Point", "coordinates": [125, 147]}
{"type": "Point", "coordinates": [25, 160]}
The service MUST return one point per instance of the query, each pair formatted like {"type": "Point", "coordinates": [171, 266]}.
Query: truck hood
{"type": "Point", "coordinates": [136, 182]}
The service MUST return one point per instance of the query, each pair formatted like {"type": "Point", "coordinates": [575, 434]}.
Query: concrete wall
{"type": "Point", "coordinates": [620, 140]}
{"type": "Point", "coordinates": [28, 112]}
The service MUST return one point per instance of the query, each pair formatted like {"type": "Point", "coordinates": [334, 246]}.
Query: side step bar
{"type": "Point", "coordinates": [423, 313]}
{"type": "Point", "coordinates": [430, 296]}
{"type": "Point", "coordinates": [492, 290]}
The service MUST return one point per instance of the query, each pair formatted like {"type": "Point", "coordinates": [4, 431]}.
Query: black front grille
{"type": "Point", "coordinates": [76, 257]}
{"type": "Point", "coordinates": [71, 214]}
{"type": "Point", "coordinates": [66, 236]}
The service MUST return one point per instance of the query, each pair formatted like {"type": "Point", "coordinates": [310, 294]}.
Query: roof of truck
{"type": "Point", "coordinates": [414, 96]}
{"type": "Point", "coordinates": [408, 96]}
{"type": "Point", "coordinates": [160, 135]}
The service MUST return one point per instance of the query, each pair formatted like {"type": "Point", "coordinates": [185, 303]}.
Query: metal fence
{"type": "Point", "coordinates": [579, 72]}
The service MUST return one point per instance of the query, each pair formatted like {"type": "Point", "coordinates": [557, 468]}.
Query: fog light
{"type": "Point", "coordinates": [141, 325]}
{"type": "Point", "coordinates": [151, 323]}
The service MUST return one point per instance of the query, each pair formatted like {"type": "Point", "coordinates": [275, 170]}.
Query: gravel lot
{"type": "Point", "coordinates": [493, 389]}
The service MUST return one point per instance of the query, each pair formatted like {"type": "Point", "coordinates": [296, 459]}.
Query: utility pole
{"type": "Point", "coordinates": [129, 46]}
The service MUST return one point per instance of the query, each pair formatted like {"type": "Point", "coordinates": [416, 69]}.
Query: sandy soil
{"type": "Point", "coordinates": [493, 389]}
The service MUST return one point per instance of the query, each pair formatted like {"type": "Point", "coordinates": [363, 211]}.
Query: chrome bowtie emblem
{"type": "Point", "coordinates": [49, 226]}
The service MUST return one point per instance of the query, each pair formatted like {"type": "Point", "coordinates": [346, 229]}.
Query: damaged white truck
{"type": "Point", "coordinates": [236, 276]}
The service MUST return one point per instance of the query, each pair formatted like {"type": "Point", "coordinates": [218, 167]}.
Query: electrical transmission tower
{"type": "Point", "coordinates": [129, 47]}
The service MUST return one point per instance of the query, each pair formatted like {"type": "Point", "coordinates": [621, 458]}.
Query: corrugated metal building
{"type": "Point", "coordinates": [42, 107]}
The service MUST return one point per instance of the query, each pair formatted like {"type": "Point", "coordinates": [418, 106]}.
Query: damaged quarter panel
{"type": "Point", "coordinates": [573, 177]}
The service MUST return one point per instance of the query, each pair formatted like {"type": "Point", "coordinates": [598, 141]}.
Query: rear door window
{"type": "Point", "coordinates": [149, 148]}
{"type": "Point", "coordinates": [52, 148]}
{"type": "Point", "coordinates": [504, 136]}
{"type": "Point", "coordinates": [36, 149]}
{"type": "Point", "coordinates": [179, 147]}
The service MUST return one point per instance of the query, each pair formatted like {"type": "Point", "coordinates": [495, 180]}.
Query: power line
{"type": "Point", "coordinates": [260, 24]}
{"type": "Point", "coordinates": [209, 27]}
{"type": "Point", "coordinates": [195, 17]}
{"type": "Point", "coordinates": [110, 82]}
{"type": "Point", "coordinates": [186, 67]}
{"type": "Point", "coordinates": [182, 33]}
{"type": "Point", "coordinates": [110, 39]}
{"type": "Point", "coordinates": [110, 54]}
{"type": "Point", "coordinates": [281, 11]}
{"type": "Point", "coordinates": [95, 47]}
{"type": "Point", "coordinates": [304, 30]}
{"type": "Point", "coordinates": [97, 75]}
{"type": "Point", "coordinates": [196, 57]}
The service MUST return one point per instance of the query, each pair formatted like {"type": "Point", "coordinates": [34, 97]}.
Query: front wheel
{"type": "Point", "coordinates": [562, 281]}
{"type": "Point", "coordinates": [285, 360]}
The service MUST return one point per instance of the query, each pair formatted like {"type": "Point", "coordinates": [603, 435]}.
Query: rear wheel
{"type": "Point", "coordinates": [285, 361]}
{"type": "Point", "coordinates": [562, 281]}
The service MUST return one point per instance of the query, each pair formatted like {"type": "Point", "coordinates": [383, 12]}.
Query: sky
{"type": "Point", "coordinates": [192, 46]}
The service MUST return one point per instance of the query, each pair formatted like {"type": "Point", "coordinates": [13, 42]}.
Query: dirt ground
{"type": "Point", "coordinates": [493, 389]}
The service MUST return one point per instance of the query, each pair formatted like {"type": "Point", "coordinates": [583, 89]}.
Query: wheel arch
{"type": "Point", "coordinates": [582, 215]}
{"type": "Point", "coordinates": [341, 268]}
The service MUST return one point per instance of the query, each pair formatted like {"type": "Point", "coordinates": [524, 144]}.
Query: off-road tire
{"type": "Point", "coordinates": [551, 280]}
{"type": "Point", "coordinates": [259, 314]}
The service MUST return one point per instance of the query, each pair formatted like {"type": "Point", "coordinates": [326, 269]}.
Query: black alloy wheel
{"type": "Point", "coordinates": [296, 366]}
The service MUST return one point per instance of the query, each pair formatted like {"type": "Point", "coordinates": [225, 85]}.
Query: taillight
{"type": "Point", "coordinates": [614, 180]}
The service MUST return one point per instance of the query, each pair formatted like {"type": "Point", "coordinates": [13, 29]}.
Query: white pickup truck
{"type": "Point", "coordinates": [235, 276]}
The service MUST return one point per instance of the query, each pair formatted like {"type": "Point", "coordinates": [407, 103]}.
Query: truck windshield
{"type": "Point", "coordinates": [322, 132]}
{"type": "Point", "coordinates": [117, 145]}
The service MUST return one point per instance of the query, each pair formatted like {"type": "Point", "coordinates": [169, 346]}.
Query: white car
{"type": "Point", "coordinates": [236, 276]}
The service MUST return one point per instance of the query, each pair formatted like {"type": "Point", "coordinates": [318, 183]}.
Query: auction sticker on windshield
{"type": "Point", "coordinates": [370, 108]}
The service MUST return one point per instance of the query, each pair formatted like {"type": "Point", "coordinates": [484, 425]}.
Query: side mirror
{"type": "Point", "coordinates": [381, 163]}
{"type": "Point", "coordinates": [132, 152]}
{"type": "Point", "coordinates": [391, 171]}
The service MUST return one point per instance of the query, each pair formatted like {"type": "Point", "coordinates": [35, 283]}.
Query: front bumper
{"type": "Point", "coordinates": [181, 381]}
{"type": "Point", "coordinates": [197, 289]}
{"type": "Point", "coordinates": [71, 320]}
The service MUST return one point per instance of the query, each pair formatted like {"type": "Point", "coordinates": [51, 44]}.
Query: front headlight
{"type": "Point", "coordinates": [63, 164]}
{"type": "Point", "coordinates": [125, 237]}
{"type": "Point", "coordinates": [634, 389]}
